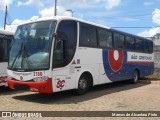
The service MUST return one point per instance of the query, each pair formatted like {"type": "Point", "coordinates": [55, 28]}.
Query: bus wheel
{"type": "Point", "coordinates": [83, 85]}
{"type": "Point", "coordinates": [135, 77]}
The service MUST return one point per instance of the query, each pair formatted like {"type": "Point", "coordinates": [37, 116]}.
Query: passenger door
{"type": "Point", "coordinates": [64, 50]}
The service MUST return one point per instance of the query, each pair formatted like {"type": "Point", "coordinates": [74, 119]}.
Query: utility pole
{"type": "Point", "coordinates": [55, 8]}
{"type": "Point", "coordinates": [5, 18]}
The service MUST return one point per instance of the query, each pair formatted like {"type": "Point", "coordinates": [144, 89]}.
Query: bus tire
{"type": "Point", "coordinates": [83, 85]}
{"type": "Point", "coordinates": [135, 77]}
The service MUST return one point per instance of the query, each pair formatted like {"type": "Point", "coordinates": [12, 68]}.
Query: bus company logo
{"type": "Point", "coordinates": [114, 62]}
{"type": "Point", "coordinates": [21, 78]}
{"type": "Point", "coordinates": [60, 83]}
{"type": "Point", "coordinates": [115, 58]}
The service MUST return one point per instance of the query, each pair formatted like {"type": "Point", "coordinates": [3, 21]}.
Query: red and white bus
{"type": "Point", "coordinates": [63, 53]}
{"type": "Point", "coordinates": [5, 41]}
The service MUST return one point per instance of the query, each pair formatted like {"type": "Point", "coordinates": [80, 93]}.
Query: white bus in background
{"type": "Point", "coordinates": [5, 42]}
{"type": "Point", "coordinates": [63, 53]}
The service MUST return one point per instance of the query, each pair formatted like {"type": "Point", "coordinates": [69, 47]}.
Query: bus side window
{"type": "Point", "coordinates": [1, 50]}
{"type": "Point", "coordinates": [5, 43]}
{"type": "Point", "coordinates": [109, 40]}
{"type": "Point", "coordinates": [5, 46]}
{"type": "Point", "coordinates": [92, 36]}
{"type": "Point", "coordinates": [130, 43]}
{"type": "Point", "coordinates": [88, 36]}
{"type": "Point", "coordinates": [8, 47]}
{"type": "Point", "coordinates": [105, 38]}
{"type": "Point", "coordinates": [146, 47]}
{"type": "Point", "coordinates": [139, 45]}
{"type": "Point", "coordinates": [65, 43]}
{"type": "Point", "coordinates": [150, 46]}
{"type": "Point", "coordinates": [84, 36]}
{"type": "Point", "coordinates": [119, 41]}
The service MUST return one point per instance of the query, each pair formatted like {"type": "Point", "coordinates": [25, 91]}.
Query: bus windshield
{"type": "Point", "coordinates": [31, 46]}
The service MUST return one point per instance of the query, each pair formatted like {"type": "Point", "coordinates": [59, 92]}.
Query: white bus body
{"type": "Point", "coordinates": [77, 57]}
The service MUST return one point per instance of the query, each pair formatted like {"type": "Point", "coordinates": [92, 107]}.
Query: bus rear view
{"type": "Point", "coordinates": [5, 42]}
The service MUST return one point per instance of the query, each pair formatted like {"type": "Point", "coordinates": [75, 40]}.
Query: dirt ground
{"type": "Point", "coordinates": [120, 96]}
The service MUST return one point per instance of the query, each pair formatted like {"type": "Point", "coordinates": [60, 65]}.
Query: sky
{"type": "Point", "coordinates": [139, 17]}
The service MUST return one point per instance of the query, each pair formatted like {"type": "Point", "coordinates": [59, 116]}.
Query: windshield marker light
{"type": "Point", "coordinates": [40, 79]}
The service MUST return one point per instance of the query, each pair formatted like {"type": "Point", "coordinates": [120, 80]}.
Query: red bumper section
{"type": "Point", "coordinates": [41, 87]}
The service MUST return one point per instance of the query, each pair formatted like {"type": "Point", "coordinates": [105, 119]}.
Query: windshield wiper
{"type": "Point", "coordinates": [22, 52]}
{"type": "Point", "coordinates": [25, 55]}
{"type": "Point", "coordinates": [18, 55]}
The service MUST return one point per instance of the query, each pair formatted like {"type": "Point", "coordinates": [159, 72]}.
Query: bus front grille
{"type": "Point", "coordinates": [21, 87]}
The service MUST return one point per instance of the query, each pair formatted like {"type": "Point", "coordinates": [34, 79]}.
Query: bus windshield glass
{"type": "Point", "coordinates": [31, 46]}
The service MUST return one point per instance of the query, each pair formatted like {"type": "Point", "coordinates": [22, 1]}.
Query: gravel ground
{"type": "Point", "coordinates": [119, 96]}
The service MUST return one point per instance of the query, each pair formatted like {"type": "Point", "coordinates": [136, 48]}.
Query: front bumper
{"type": "Point", "coordinates": [41, 87]}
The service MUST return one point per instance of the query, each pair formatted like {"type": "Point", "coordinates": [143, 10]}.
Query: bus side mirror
{"type": "Point", "coordinates": [60, 40]}
{"type": "Point", "coordinates": [60, 43]}
{"type": "Point", "coordinates": [55, 35]}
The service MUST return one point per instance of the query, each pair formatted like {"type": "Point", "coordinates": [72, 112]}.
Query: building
{"type": "Point", "coordinates": [156, 40]}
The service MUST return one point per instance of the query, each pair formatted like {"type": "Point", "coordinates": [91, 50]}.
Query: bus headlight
{"type": "Point", "coordinates": [10, 77]}
{"type": "Point", "coordinates": [40, 79]}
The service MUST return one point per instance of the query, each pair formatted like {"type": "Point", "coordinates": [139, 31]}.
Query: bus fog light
{"type": "Point", "coordinates": [34, 89]}
{"type": "Point", "coordinates": [40, 79]}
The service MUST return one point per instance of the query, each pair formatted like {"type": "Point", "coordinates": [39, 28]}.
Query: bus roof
{"type": "Point", "coordinates": [6, 32]}
{"type": "Point", "coordinates": [60, 18]}
{"type": "Point", "coordinates": [132, 35]}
